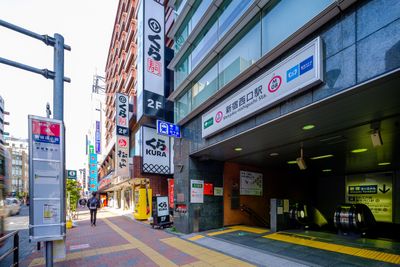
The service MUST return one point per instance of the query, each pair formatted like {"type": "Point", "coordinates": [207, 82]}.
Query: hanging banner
{"type": "Point", "coordinates": [374, 190]}
{"type": "Point", "coordinates": [171, 193]}
{"type": "Point", "coordinates": [122, 156]}
{"type": "Point", "coordinates": [156, 152]}
{"type": "Point", "coordinates": [293, 75]}
{"type": "Point", "coordinates": [251, 183]}
{"type": "Point", "coordinates": [196, 191]}
{"type": "Point", "coordinates": [98, 138]}
{"type": "Point", "coordinates": [46, 179]}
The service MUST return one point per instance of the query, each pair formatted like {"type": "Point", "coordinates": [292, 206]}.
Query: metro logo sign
{"type": "Point", "coordinates": [302, 70]}
{"type": "Point", "coordinates": [45, 132]}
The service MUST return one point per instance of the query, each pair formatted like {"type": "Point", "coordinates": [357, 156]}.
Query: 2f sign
{"type": "Point", "coordinates": [154, 104]}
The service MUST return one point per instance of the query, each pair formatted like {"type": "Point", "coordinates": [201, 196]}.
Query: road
{"type": "Point", "coordinates": [19, 222]}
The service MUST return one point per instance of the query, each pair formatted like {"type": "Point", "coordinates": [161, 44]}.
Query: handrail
{"type": "Point", "coordinates": [252, 213]}
{"type": "Point", "coordinates": [14, 249]}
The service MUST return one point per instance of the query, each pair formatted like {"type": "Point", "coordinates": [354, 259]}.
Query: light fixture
{"type": "Point", "coordinates": [327, 170]}
{"type": "Point", "coordinates": [322, 157]}
{"type": "Point", "coordinates": [359, 150]}
{"type": "Point", "coordinates": [383, 163]}
{"type": "Point", "coordinates": [238, 149]}
{"type": "Point", "coordinates": [292, 162]}
{"type": "Point", "coordinates": [308, 127]}
{"type": "Point", "coordinates": [300, 161]}
{"type": "Point", "coordinates": [274, 154]}
{"type": "Point", "coordinates": [376, 138]}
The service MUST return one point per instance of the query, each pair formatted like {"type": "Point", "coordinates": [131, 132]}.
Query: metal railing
{"type": "Point", "coordinates": [14, 249]}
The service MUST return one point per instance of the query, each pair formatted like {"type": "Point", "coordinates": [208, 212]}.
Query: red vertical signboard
{"type": "Point", "coordinates": [171, 193]}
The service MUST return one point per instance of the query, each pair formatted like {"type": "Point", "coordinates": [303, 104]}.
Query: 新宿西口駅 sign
{"type": "Point", "coordinates": [296, 73]}
{"type": "Point", "coordinates": [373, 190]}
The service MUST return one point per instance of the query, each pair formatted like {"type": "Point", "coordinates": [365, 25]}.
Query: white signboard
{"type": "Point", "coordinates": [153, 56]}
{"type": "Point", "coordinates": [374, 190]}
{"type": "Point", "coordinates": [196, 191]}
{"type": "Point", "coordinates": [162, 206]}
{"type": "Point", "coordinates": [156, 152]}
{"type": "Point", "coordinates": [122, 156]}
{"type": "Point", "coordinates": [218, 191]}
{"type": "Point", "coordinates": [251, 183]}
{"type": "Point", "coordinates": [46, 179]}
{"type": "Point", "coordinates": [122, 136]}
{"type": "Point", "coordinates": [296, 73]}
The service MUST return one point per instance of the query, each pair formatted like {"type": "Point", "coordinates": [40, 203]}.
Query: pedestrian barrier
{"type": "Point", "coordinates": [14, 249]}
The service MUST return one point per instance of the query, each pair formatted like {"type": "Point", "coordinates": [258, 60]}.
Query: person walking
{"type": "Point", "coordinates": [93, 204]}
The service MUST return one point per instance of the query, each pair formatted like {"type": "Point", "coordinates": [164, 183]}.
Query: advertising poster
{"type": "Point", "coordinates": [251, 183]}
{"type": "Point", "coordinates": [46, 179]}
{"type": "Point", "coordinates": [374, 190]}
{"type": "Point", "coordinates": [156, 152]}
{"type": "Point", "coordinates": [196, 191]}
{"type": "Point", "coordinates": [162, 206]}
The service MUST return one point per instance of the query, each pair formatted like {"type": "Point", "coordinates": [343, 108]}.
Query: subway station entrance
{"type": "Point", "coordinates": [322, 179]}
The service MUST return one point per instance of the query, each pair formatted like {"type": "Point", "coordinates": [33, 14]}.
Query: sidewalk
{"type": "Point", "coordinates": [120, 241]}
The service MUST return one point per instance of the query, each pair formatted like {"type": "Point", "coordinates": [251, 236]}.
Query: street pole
{"type": "Point", "coordinates": [58, 113]}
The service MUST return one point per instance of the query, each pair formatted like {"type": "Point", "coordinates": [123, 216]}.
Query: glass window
{"type": "Point", "coordinates": [180, 38]}
{"type": "Point", "coordinates": [138, 142]}
{"type": "Point", "coordinates": [183, 106]}
{"type": "Point", "coordinates": [231, 12]}
{"type": "Point", "coordinates": [244, 51]}
{"type": "Point", "coordinates": [205, 41]}
{"type": "Point", "coordinates": [182, 70]}
{"type": "Point", "coordinates": [201, 9]}
{"type": "Point", "coordinates": [205, 87]}
{"type": "Point", "coordinates": [285, 17]}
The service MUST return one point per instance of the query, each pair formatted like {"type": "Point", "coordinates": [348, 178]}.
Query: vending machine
{"type": "Point", "coordinates": [143, 203]}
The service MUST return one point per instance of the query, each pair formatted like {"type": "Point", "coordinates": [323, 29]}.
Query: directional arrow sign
{"type": "Point", "coordinates": [384, 190]}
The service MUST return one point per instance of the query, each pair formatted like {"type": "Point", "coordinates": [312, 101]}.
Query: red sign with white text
{"type": "Point", "coordinates": [171, 193]}
{"type": "Point", "coordinates": [208, 189]}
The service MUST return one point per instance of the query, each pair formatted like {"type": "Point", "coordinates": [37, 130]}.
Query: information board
{"type": "Point", "coordinates": [46, 179]}
{"type": "Point", "coordinates": [375, 191]}
{"type": "Point", "coordinates": [196, 191]}
{"type": "Point", "coordinates": [251, 183]}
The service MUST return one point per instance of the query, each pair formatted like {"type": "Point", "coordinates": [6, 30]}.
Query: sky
{"type": "Point", "coordinates": [87, 27]}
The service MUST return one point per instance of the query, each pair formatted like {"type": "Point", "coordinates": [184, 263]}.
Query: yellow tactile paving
{"type": "Point", "coordinates": [250, 229]}
{"type": "Point", "coordinates": [196, 237]}
{"type": "Point", "coordinates": [85, 253]}
{"type": "Point", "coordinates": [146, 250]}
{"type": "Point", "coordinates": [358, 252]}
{"type": "Point", "coordinates": [222, 232]}
{"type": "Point", "coordinates": [207, 256]}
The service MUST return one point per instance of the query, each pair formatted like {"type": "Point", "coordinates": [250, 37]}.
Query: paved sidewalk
{"type": "Point", "coordinates": [119, 241]}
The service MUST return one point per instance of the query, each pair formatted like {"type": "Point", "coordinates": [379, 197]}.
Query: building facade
{"type": "Point", "coordinates": [259, 84]}
{"type": "Point", "coordinates": [18, 149]}
{"type": "Point", "coordinates": [121, 171]}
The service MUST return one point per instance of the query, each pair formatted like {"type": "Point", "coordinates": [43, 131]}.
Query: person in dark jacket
{"type": "Point", "coordinates": [93, 204]}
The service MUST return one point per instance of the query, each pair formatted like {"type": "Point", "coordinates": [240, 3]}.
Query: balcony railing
{"type": "Point", "coordinates": [131, 32]}
{"type": "Point", "coordinates": [130, 58]}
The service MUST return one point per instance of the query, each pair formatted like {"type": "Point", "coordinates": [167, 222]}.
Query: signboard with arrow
{"type": "Point", "coordinates": [373, 190]}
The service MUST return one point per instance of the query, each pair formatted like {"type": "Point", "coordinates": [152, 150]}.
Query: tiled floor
{"type": "Point", "coordinates": [120, 241]}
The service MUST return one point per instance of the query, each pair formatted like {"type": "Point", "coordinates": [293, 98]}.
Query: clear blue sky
{"type": "Point", "coordinates": [87, 27]}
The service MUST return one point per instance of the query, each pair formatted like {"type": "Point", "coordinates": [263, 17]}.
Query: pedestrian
{"type": "Point", "coordinates": [93, 204]}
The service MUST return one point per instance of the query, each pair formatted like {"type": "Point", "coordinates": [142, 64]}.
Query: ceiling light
{"type": "Point", "coordinates": [327, 170]}
{"type": "Point", "coordinates": [274, 154]}
{"type": "Point", "coordinates": [292, 162]}
{"type": "Point", "coordinates": [359, 150]}
{"type": "Point", "coordinates": [383, 163]}
{"type": "Point", "coordinates": [308, 127]}
{"type": "Point", "coordinates": [323, 156]}
{"type": "Point", "coordinates": [238, 149]}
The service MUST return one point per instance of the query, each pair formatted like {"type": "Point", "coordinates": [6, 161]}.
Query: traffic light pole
{"type": "Point", "coordinates": [58, 93]}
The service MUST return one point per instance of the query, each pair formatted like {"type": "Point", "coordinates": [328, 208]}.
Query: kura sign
{"type": "Point", "coordinates": [156, 152]}
{"type": "Point", "coordinates": [293, 75]}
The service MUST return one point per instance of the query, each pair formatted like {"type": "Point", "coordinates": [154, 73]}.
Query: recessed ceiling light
{"type": "Point", "coordinates": [327, 170]}
{"type": "Point", "coordinates": [308, 127]}
{"type": "Point", "coordinates": [323, 156]}
{"type": "Point", "coordinates": [238, 149]}
{"type": "Point", "coordinates": [359, 150]}
{"type": "Point", "coordinates": [292, 162]}
{"type": "Point", "coordinates": [383, 163]}
{"type": "Point", "coordinates": [274, 154]}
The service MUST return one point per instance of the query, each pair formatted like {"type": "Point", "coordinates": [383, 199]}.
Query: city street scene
{"type": "Point", "coordinates": [200, 133]}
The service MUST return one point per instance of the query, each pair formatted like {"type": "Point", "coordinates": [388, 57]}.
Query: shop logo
{"type": "Point", "coordinates": [157, 147]}
{"type": "Point", "coordinates": [162, 206]}
{"type": "Point", "coordinates": [274, 83]}
{"type": "Point", "coordinates": [219, 116]}
{"type": "Point", "coordinates": [122, 143]}
{"type": "Point", "coordinates": [154, 51]}
{"type": "Point", "coordinates": [292, 73]}
{"type": "Point", "coordinates": [306, 65]}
